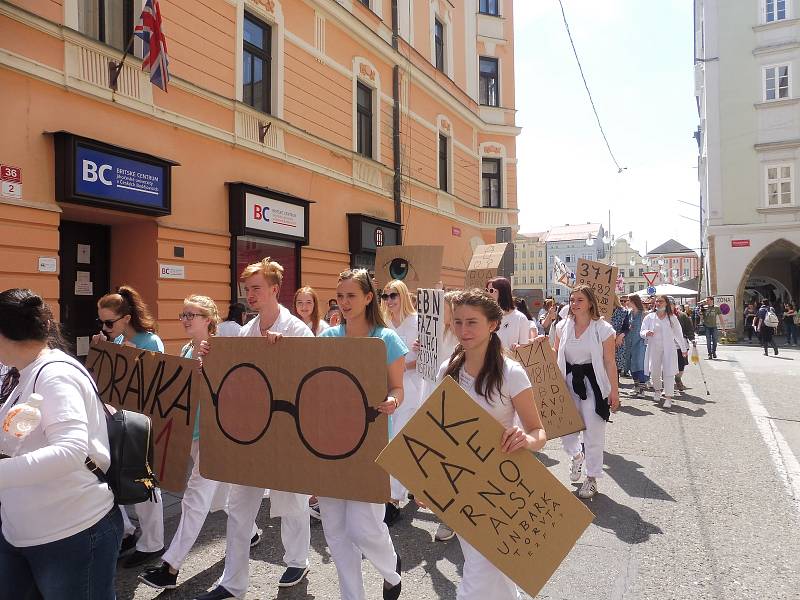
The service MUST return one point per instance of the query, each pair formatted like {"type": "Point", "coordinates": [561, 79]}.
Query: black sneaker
{"type": "Point", "coordinates": [218, 593]}
{"type": "Point", "coordinates": [160, 578]}
{"type": "Point", "coordinates": [393, 593]}
{"type": "Point", "coordinates": [392, 514]}
{"type": "Point", "coordinates": [256, 539]}
{"type": "Point", "coordinates": [128, 545]}
{"type": "Point", "coordinates": [139, 558]}
{"type": "Point", "coordinates": [292, 576]}
{"type": "Point", "coordinates": [714, 355]}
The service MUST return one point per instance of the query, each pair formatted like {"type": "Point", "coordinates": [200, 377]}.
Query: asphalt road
{"type": "Point", "coordinates": [701, 501]}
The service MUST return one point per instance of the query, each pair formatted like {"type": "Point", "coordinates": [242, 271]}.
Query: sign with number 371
{"type": "Point", "coordinates": [602, 279]}
{"type": "Point", "coordinates": [10, 182]}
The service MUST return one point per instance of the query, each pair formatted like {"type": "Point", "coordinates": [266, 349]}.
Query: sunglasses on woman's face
{"type": "Point", "coordinates": [346, 413]}
{"type": "Point", "coordinates": [109, 323]}
{"type": "Point", "coordinates": [491, 290]}
{"type": "Point", "coordinates": [392, 295]}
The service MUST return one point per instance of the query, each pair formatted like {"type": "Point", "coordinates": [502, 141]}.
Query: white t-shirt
{"type": "Point", "coordinates": [286, 324]}
{"type": "Point", "coordinates": [407, 330]}
{"type": "Point", "coordinates": [515, 380]}
{"type": "Point", "coordinates": [579, 351]}
{"type": "Point", "coordinates": [323, 325]}
{"type": "Point", "coordinates": [228, 329]}
{"type": "Point", "coordinates": [514, 329]}
{"type": "Point", "coordinates": [46, 491]}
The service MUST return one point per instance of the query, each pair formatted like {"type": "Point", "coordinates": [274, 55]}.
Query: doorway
{"type": "Point", "coordinates": [85, 276]}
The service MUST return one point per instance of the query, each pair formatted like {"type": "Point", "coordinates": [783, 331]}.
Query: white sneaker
{"type": "Point", "coordinates": [575, 465]}
{"type": "Point", "coordinates": [656, 395]}
{"type": "Point", "coordinates": [589, 488]}
{"type": "Point", "coordinates": [667, 402]}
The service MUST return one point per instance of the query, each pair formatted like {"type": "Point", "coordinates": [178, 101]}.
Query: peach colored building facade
{"type": "Point", "coordinates": [338, 120]}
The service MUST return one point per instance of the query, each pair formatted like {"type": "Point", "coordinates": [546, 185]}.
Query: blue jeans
{"type": "Point", "coordinates": [712, 335]}
{"type": "Point", "coordinates": [80, 567]}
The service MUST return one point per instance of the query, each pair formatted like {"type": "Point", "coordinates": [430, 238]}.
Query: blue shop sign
{"type": "Point", "coordinates": [98, 174]}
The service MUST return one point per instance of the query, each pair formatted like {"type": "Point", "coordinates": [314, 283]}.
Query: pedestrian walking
{"type": "Point", "coordinates": [620, 321]}
{"type": "Point", "coordinates": [664, 335]}
{"type": "Point", "coordinates": [548, 315]}
{"type": "Point", "coordinates": [790, 323]}
{"type": "Point", "coordinates": [514, 330]}
{"type": "Point", "coordinates": [711, 316]}
{"type": "Point", "coordinates": [586, 358]}
{"type": "Point", "coordinates": [499, 385]}
{"type": "Point", "coordinates": [125, 319]}
{"type": "Point", "coordinates": [262, 284]}
{"type": "Point", "coordinates": [749, 317]}
{"type": "Point", "coordinates": [636, 344]}
{"type": "Point", "coordinates": [232, 324]}
{"type": "Point", "coordinates": [354, 529]}
{"type": "Point", "coordinates": [688, 335]}
{"type": "Point", "coordinates": [61, 531]}
{"type": "Point", "coordinates": [306, 307]}
{"type": "Point", "coordinates": [766, 323]}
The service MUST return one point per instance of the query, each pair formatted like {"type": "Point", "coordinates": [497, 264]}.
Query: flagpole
{"type": "Point", "coordinates": [114, 68]}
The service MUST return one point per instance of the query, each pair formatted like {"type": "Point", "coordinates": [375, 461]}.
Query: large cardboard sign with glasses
{"type": "Point", "coordinates": [416, 266]}
{"type": "Point", "coordinates": [508, 506]}
{"type": "Point", "coordinates": [166, 388]}
{"type": "Point", "coordinates": [298, 415]}
{"type": "Point", "coordinates": [484, 265]}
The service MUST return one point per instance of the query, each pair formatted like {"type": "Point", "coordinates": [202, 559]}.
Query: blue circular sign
{"type": "Point", "coordinates": [651, 290]}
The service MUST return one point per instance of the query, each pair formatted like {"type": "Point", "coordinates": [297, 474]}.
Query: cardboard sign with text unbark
{"type": "Point", "coordinates": [508, 506]}
{"type": "Point", "coordinates": [298, 415]}
{"type": "Point", "coordinates": [602, 279]}
{"type": "Point", "coordinates": [484, 265]}
{"type": "Point", "coordinates": [430, 332]}
{"type": "Point", "coordinates": [416, 266]}
{"type": "Point", "coordinates": [166, 388]}
{"type": "Point", "coordinates": [559, 413]}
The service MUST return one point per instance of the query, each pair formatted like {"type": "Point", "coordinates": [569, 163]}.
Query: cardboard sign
{"type": "Point", "coordinates": [558, 411]}
{"type": "Point", "coordinates": [297, 415]}
{"type": "Point", "coordinates": [727, 306]}
{"type": "Point", "coordinates": [165, 388]}
{"type": "Point", "coordinates": [508, 506]}
{"type": "Point", "coordinates": [416, 266]}
{"type": "Point", "coordinates": [602, 279]}
{"type": "Point", "coordinates": [561, 273]}
{"type": "Point", "coordinates": [430, 332]}
{"type": "Point", "coordinates": [484, 265]}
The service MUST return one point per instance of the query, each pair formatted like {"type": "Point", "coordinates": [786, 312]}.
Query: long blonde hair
{"type": "Point", "coordinates": [449, 297]}
{"type": "Point", "coordinates": [372, 312]}
{"type": "Point", "coordinates": [315, 318]}
{"type": "Point", "coordinates": [406, 307]}
{"type": "Point", "coordinates": [208, 308]}
{"type": "Point", "coordinates": [594, 307]}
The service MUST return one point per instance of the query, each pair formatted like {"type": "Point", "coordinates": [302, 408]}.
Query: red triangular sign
{"type": "Point", "coordinates": [650, 276]}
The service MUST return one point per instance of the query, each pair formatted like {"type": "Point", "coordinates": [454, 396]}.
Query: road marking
{"type": "Point", "coordinates": [784, 460]}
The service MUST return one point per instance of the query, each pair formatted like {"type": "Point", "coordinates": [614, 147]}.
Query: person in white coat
{"type": "Point", "coordinates": [662, 331]}
{"type": "Point", "coordinates": [515, 330]}
{"type": "Point", "coordinates": [399, 314]}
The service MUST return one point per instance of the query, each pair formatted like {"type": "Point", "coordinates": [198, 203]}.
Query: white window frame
{"type": "Point", "coordinates": [764, 14]}
{"type": "Point", "coordinates": [779, 180]}
{"type": "Point", "coordinates": [776, 69]}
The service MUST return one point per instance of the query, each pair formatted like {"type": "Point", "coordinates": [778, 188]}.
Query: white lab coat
{"type": "Point", "coordinates": [666, 343]}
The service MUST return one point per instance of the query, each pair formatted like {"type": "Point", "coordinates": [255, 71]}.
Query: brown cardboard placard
{"type": "Point", "coordinates": [416, 266]}
{"type": "Point", "coordinates": [508, 506]}
{"type": "Point", "coordinates": [297, 415]}
{"type": "Point", "coordinates": [602, 279]}
{"type": "Point", "coordinates": [484, 265]}
{"type": "Point", "coordinates": [166, 388]}
{"type": "Point", "coordinates": [559, 414]}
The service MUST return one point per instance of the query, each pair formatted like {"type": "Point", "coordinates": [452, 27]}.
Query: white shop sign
{"type": "Point", "coordinates": [274, 216]}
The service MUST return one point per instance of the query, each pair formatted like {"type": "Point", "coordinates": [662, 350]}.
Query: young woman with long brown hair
{"type": "Point", "coordinates": [306, 307]}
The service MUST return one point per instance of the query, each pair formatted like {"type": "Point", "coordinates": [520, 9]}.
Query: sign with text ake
{"type": "Point", "coordinates": [602, 279]}
{"type": "Point", "coordinates": [430, 331]}
{"type": "Point", "coordinates": [508, 506]}
{"type": "Point", "coordinates": [559, 414]}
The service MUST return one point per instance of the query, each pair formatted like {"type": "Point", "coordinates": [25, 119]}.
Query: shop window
{"type": "Point", "coordinates": [489, 90]}
{"type": "Point", "coordinates": [364, 120]}
{"type": "Point", "coordinates": [490, 182]}
{"type": "Point", "coordinates": [251, 250]}
{"type": "Point", "coordinates": [107, 21]}
{"type": "Point", "coordinates": [257, 64]}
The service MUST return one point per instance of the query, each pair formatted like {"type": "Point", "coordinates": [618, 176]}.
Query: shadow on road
{"type": "Point", "coordinates": [546, 460]}
{"type": "Point", "coordinates": [625, 522]}
{"type": "Point", "coordinates": [629, 476]}
{"type": "Point", "coordinates": [693, 399]}
{"type": "Point", "coordinates": [686, 411]}
{"type": "Point", "coordinates": [633, 411]}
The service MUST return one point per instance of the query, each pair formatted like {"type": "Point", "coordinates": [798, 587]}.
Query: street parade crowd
{"type": "Point", "coordinates": [63, 536]}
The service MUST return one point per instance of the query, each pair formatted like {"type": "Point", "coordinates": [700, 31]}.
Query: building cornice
{"type": "Point", "coordinates": [774, 49]}
{"type": "Point", "coordinates": [775, 103]}
{"type": "Point", "coordinates": [785, 23]}
{"type": "Point", "coordinates": [782, 145]}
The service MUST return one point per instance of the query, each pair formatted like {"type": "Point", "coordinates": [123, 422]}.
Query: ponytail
{"type": "Point", "coordinates": [127, 301]}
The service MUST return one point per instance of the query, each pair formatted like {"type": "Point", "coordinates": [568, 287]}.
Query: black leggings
{"type": "Point", "coordinates": [766, 334]}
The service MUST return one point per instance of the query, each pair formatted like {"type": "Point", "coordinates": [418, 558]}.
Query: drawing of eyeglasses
{"type": "Point", "coordinates": [330, 409]}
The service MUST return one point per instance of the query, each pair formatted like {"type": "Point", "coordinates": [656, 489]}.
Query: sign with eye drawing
{"type": "Point", "coordinates": [559, 414]}
{"type": "Point", "coordinates": [508, 506]}
{"type": "Point", "coordinates": [484, 265]}
{"type": "Point", "coordinates": [416, 266]}
{"type": "Point", "coordinates": [297, 416]}
{"type": "Point", "coordinates": [165, 388]}
{"type": "Point", "coordinates": [602, 279]}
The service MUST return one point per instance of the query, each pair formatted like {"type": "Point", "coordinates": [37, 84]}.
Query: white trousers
{"type": "Point", "coordinates": [593, 437]}
{"type": "Point", "coordinates": [352, 529]}
{"type": "Point", "coordinates": [151, 523]}
{"type": "Point", "coordinates": [400, 417]}
{"type": "Point", "coordinates": [656, 375]}
{"type": "Point", "coordinates": [481, 579]}
{"type": "Point", "coordinates": [243, 505]}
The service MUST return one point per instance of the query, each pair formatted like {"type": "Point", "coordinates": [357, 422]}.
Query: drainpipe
{"type": "Point", "coordinates": [396, 188]}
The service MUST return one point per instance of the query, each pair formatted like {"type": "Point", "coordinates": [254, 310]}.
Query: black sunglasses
{"type": "Point", "coordinates": [109, 323]}
{"type": "Point", "coordinates": [393, 296]}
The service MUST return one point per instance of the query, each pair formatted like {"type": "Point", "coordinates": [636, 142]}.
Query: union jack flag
{"type": "Point", "coordinates": [155, 61]}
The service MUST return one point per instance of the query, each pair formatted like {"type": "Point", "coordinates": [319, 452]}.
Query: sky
{"type": "Point", "coordinates": [637, 58]}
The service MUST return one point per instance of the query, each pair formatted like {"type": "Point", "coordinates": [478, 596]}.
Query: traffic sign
{"type": "Point", "coordinates": [651, 290]}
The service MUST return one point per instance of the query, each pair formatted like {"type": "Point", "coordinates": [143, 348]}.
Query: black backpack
{"type": "Point", "coordinates": [130, 442]}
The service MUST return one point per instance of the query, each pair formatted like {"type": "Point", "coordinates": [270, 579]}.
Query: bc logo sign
{"type": "Point", "coordinates": [93, 173]}
{"type": "Point", "coordinates": [261, 213]}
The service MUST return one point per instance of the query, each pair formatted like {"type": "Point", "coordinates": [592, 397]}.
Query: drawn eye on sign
{"type": "Point", "coordinates": [416, 266]}
{"type": "Point", "coordinates": [347, 414]}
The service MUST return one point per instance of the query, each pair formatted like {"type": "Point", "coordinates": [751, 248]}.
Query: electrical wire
{"type": "Point", "coordinates": [620, 169]}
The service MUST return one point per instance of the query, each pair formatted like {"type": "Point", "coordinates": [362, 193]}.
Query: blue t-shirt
{"type": "Point", "coordinates": [144, 340]}
{"type": "Point", "coordinates": [395, 347]}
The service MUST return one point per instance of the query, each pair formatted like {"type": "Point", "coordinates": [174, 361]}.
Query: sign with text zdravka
{"type": "Point", "coordinates": [430, 332]}
{"type": "Point", "coordinates": [508, 506]}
